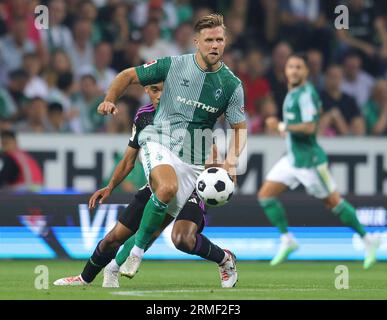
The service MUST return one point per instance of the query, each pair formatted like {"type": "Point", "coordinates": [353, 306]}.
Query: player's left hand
{"type": "Point", "coordinates": [106, 108]}
{"type": "Point", "coordinates": [101, 195]}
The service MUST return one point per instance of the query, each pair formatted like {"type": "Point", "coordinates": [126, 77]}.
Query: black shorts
{"type": "Point", "coordinates": [193, 210]}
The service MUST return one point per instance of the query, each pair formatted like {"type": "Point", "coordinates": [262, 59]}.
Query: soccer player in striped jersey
{"type": "Point", "coordinates": [305, 163]}
{"type": "Point", "coordinates": [186, 232]}
{"type": "Point", "coordinates": [198, 88]}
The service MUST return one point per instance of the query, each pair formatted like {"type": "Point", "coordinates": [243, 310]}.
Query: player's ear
{"type": "Point", "coordinates": [196, 42]}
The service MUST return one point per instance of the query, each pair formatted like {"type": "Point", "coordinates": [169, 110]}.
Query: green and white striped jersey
{"type": "Point", "coordinates": [190, 104]}
{"type": "Point", "coordinates": [302, 104]}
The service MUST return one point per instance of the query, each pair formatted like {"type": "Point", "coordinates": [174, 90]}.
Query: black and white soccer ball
{"type": "Point", "coordinates": [215, 187]}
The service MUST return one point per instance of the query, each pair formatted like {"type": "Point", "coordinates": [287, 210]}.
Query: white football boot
{"type": "Point", "coordinates": [288, 245]}
{"type": "Point", "coordinates": [71, 281]}
{"type": "Point", "coordinates": [110, 275]}
{"type": "Point", "coordinates": [228, 272]}
{"type": "Point", "coordinates": [371, 245]}
{"type": "Point", "coordinates": [130, 267]}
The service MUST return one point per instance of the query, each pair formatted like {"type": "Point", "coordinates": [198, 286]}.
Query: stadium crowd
{"type": "Point", "coordinates": [52, 80]}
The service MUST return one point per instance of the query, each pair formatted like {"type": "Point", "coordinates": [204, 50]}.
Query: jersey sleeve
{"type": "Point", "coordinates": [309, 106]}
{"type": "Point", "coordinates": [235, 112]}
{"type": "Point", "coordinates": [139, 124]}
{"type": "Point", "coordinates": [154, 71]}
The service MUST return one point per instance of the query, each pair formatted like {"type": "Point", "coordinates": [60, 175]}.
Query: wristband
{"type": "Point", "coordinates": [281, 127]}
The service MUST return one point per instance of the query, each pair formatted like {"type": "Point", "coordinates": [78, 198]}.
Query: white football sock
{"type": "Point", "coordinates": [137, 251]}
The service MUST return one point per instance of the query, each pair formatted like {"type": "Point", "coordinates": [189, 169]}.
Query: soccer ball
{"type": "Point", "coordinates": [215, 187]}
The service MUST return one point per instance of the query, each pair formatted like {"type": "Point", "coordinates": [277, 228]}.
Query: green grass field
{"type": "Point", "coordinates": [200, 280]}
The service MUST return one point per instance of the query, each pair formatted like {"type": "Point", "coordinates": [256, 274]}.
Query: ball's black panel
{"type": "Point", "coordinates": [212, 170]}
{"type": "Point", "coordinates": [212, 202]}
{"type": "Point", "coordinates": [201, 185]}
{"type": "Point", "coordinates": [229, 196]}
{"type": "Point", "coordinates": [220, 186]}
{"type": "Point", "coordinates": [230, 177]}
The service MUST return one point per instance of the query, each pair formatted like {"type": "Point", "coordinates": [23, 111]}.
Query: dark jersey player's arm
{"type": "Point", "coordinates": [126, 165]}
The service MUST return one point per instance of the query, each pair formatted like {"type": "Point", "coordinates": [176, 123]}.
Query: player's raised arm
{"type": "Point", "coordinates": [147, 74]}
{"type": "Point", "coordinates": [117, 89]}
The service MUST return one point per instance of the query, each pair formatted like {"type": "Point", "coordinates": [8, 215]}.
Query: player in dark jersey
{"type": "Point", "coordinates": [186, 233]}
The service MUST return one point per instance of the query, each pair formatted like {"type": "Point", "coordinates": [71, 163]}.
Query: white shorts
{"type": "Point", "coordinates": [317, 181]}
{"type": "Point", "coordinates": [154, 154]}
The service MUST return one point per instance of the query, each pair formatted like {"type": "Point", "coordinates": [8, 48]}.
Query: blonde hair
{"type": "Point", "coordinates": [210, 21]}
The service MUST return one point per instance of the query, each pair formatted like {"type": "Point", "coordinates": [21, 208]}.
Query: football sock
{"type": "Point", "coordinates": [96, 263]}
{"type": "Point", "coordinates": [275, 212]}
{"type": "Point", "coordinates": [207, 250]}
{"type": "Point", "coordinates": [153, 217]}
{"type": "Point", "coordinates": [124, 253]}
{"type": "Point", "coordinates": [347, 215]}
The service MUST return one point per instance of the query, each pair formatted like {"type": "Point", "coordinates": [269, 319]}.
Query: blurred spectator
{"type": "Point", "coordinates": [61, 62]}
{"type": "Point", "coordinates": [303, 24]}
{"type": "Point", "coordinates": [153, 47]}
{"type": "Point", "coordinates": [13, 46]}
{"type": "Point", "coordinates": [365, 34]}
{"type": "Point", "coordinates": [12, 97]}
{"type": "Point", "coordinates": [128, 57]}
{"type": "Point", "coordinates": [276, 75]}
{"type": "Point", "coordinates": [36, 117]}
{"type": "Point", "coordinates": [341, 115]}
{"type": "Point", "coordinates": [101, 70]}
{"type": "Point", "coordinates": [237, 39]}
{"type": "Point", "coordinates": [257, 89]}
{"type": "Point", "coordinates": [57, 119]}
{"type": "Point", "coordinates": [122, 122]}
{"type": "Point", "coordinates": [20, 171]}
{"type": "Point", "coordinates": [81, 51]}
{"type": "Point", "coordinates": [184, 11]}
{"type": "Point", "coordinates": [115, 26]}
{"type": "Point", "coordinates": [163, 12]}
{"type": "Point", "coordinates": [315, 64]}
{"type": "Point", "coordinates": [375, 110]}
{"type": "Point", "coordinates": [88, 11]}
{"type": "Point", "coordinates": [183, 39]}
{"type": "Point", "coordinates": [57, 35]}
{"type": "Point", "coordinates": [87, 101]}
{"type": "Point", "coordinates": [62, 94]}
{"type": "Point", "coordinates": [36, 86]}
{"type": "Point", "coordinates": [357, 83]}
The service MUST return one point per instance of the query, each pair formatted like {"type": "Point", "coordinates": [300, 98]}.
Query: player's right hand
{"type": "Point", "coordinates": [106, 108]}
{"type": "Point", "coordinates": [101, 195]}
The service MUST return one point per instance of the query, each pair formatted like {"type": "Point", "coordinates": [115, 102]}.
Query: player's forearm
{"type": "Point", "coordinates": [124, 167]}
{"type": "Point", "coordinates": [307, 128]}
{"type": "Point", "coordinates": [119, 174]}
{"type": "Point", "coordinates": [237, 144]}
{"type": "Point", "coordinates": [120, 84]}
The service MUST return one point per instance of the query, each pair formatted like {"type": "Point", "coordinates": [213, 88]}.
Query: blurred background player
{"type": "Point", "coordinates": [20, 171]}
{"type": "Point", "coordinates": [305, 163]}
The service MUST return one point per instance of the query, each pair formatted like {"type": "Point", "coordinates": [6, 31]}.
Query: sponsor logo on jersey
{"type": "Point", "coordinates": [197, 104]}
{"type": "Point", "coordinates": [148, 64]}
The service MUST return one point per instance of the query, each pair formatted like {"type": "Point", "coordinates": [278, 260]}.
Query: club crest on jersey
{"type": "Point", "coordinates": [218, 93]}
{"type": "Point", "coordinates": [148, 64]}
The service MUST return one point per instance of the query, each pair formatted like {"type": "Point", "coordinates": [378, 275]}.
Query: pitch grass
{"type": "Point", "coordinates": [199, 280]}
